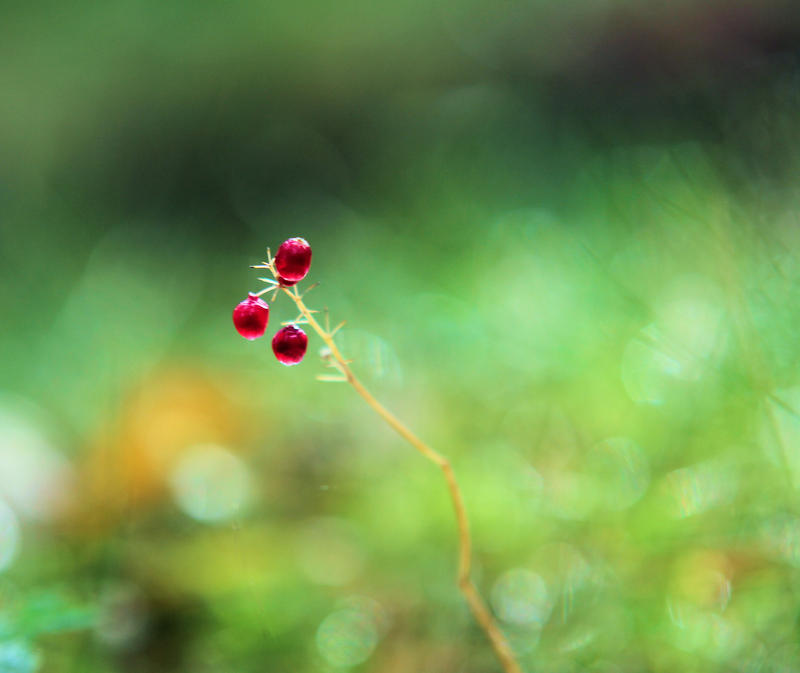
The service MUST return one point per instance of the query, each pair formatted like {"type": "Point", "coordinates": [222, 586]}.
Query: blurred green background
{"type": "Point", "coordinates": [565, 238]}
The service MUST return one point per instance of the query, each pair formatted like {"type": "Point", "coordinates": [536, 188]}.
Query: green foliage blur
{"type": "Point", "coordinates": [564, 237]}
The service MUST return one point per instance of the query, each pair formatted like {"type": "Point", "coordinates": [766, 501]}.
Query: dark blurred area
{"type": "Point", "coordinates": [564, 237]}
{"type": "Point", "coordinates": [146, 110]}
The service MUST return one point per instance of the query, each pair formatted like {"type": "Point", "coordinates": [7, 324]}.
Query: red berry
{"type": "Point", "coordinates": [289, 345]}
{"type": "Point", "coordinates": [293, 259]}
{"type": "Point", "coordinates": [250, 317]}
{"type": "Point", "coordinates": [287, 283]}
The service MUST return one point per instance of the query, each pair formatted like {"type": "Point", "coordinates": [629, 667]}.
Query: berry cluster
{"type": "Point", "coordinates": [250, 317]}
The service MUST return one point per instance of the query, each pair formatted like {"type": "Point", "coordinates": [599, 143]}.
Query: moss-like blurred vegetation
{"type": "Point", "coordinates": [565, 240]}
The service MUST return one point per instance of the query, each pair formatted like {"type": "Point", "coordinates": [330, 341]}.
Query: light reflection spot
{"type": "Point", "coordinates": [347, 637]}
{"type": "Point", "coordinates": [701, 487]}
{"type": "Point", "coordinates": [210, 484]}
{"type": "Point", "coordinates": [16, 656]}
{"type": "Point", "coordinates": [520, 597]}
{"type": "Point", "coordinates": [34, 477]}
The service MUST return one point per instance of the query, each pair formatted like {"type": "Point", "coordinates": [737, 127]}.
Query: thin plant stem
{"type": "Point", "coordinates": [465, 583]}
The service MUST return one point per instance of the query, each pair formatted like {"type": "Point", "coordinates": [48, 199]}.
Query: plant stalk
{"type": "Point", "coordinates": [465, 583]}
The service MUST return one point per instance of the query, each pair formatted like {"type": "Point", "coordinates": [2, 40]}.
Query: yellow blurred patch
{"type": "Point", "coordinates": [171, 412]}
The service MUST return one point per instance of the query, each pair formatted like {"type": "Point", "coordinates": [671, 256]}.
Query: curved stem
{"type": "Point", "coordinates": [465, 583]}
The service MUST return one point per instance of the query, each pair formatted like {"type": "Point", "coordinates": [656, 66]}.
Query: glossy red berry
{"type": "Point", "coordinates": [250, 317]}
{"type": "Point", "coordinates": [289, 345]}
{"type": "Point", "coordinates": [287, 283]}
{"type": "Point", "coordinates": [293, 259]}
